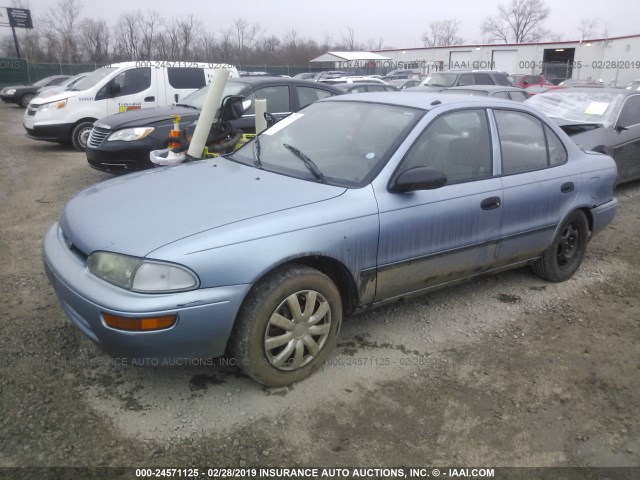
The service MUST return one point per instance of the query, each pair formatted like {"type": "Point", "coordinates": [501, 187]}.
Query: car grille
{"type": "Point", "coordinates": [97, 136]}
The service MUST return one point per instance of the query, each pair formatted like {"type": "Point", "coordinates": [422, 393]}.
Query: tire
{"type": "Point", "coordinates": [563, 258]}
{"type": "Point", "coordinates": [25, 99]}
{"type": "Point", "coordinates": [274, 345]}
{"type": "Point", "coordinates": [80, 135]}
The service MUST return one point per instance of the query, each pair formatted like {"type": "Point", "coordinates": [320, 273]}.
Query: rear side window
{"type": "Point", "coordinates": [504, 95]}
{"type": "Point", "coordinates": [523, 143]}
{"type": "Point", "coordinates": [519, 96]}
{"type": "Point", "coordinates": [483, 79]}
{"type": "Point", "coordinates": [186, 77]}
{"type": "Point", "coordinates": [57, 81]}
{"type": "Point", "coordinates": [308, 95]}
{"type": "Point", "coordinates": [502, 79]}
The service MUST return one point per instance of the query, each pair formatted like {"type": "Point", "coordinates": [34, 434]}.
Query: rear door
{"type": "Point", "coordinates": [539, 188]}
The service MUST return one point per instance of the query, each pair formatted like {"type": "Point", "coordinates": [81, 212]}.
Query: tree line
{"type": "Point", "coordinates": [64, 35]}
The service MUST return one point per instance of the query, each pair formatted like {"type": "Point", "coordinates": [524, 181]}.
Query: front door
{"type": "Point", "coordinates": [434, 237]}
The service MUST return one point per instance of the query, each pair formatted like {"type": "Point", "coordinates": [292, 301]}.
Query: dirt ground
{"type": "Point", "coordinates": [503, 371]}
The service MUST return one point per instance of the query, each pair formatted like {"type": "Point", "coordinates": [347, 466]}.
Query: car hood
{"type": "Point", "coordinates": [145, 116]}
{"type": "Point", "coordinates": [138, 213]}
{"type": "Point", "coordinates": [56, 97]}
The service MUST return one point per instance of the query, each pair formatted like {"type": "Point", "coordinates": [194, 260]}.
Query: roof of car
{"type": "Point", "coordinates": [422, 100]}
{"type": "Point", "coordinates": [264, 79]}
{"type": "Point", "coordinates": [612, 90]}
{"type": "Point", "coordinates": [488, 88]}
{"type": "Point", "coordinates": [349, 86]}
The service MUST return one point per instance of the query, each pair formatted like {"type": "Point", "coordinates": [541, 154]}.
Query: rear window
{"type": "Point", "coordinates": [186, 77]}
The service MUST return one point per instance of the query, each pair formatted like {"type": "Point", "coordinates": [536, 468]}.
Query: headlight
{"type": "Point", "coordinates": [141, 275]}
{"type": "Point", "coordinates": [52, 105]}
{"type": "Point", "coordinates": [130, 134]}
{"type": "Point", "coordinates": [10, 91]}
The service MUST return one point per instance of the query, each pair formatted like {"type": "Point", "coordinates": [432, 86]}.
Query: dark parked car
{"type": "Point", "coordinates": [121, 143]}
{"type": "Point", "coordinates": [305, 76]}
{"type": "Point", "coordinates": [365, 87]}
{"type": "Point", "coordinates": [600, 119]}
{"type": "Point", "coordinates": [438, 81]}
{"type": "Point", "coordinates": [496, 91]}
{"type": "Point", "coordinates": [358, 201]}
{"type": "Point", "coordinates": [22, 94]}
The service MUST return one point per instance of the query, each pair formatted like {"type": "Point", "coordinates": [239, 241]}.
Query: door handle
{"type": "Point", "coordinates": [150, 99]}
{"type": "Point", "coordinates": [567, 187]}
{"type": "Point", "coordinates": [490, 203]}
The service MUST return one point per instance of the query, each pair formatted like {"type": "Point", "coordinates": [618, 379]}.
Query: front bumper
{"type": "Point", "coordinates": [10, 99]}
{"type": "Point", "coordinates": [49, 133]}
{"type": "Point", "coordinates": [122, 157]}
{"type": "Point", "coordinates": [205, 316]}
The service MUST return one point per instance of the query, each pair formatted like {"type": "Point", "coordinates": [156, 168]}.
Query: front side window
{"type": "Point", "coordinates": [132, 81]}
{"type": "Point", "coordinates": [277, 98]}
{"type": "Point", "coordinates": [483, 79]}
{"type": "Point", "coordinates": [457, 144]}
{"type": "Point", "coordinates": [523, 143]}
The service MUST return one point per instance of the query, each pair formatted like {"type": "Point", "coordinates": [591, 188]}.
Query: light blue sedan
{"type": "Point", "coordinates": [351, 203]}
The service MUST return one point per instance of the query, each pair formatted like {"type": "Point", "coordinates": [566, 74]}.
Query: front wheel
{"type": "Point", "coordinates": [288, 326]}
{"type": "Point", "coordinates": [80, 135]}
{"type": "Point", "coordinates": [563, 258]}
{"type": "Point", "coordinates": [26, 99]}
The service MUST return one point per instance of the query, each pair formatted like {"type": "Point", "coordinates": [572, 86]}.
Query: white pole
{"type": "Point", "coordinates": [260, 109]}
{"type": "Point", "coordinates": [207, 116]}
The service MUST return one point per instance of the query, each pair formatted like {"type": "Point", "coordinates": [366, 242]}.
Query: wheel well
{"type": "Point", "coordinates": [336, 271]}
{"type": "Point", "coordinates": [589, 215]}
{"type": "Point", "coordinates": [92, 120]}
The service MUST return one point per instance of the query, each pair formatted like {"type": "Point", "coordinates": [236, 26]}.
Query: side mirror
{"type": "Point", "coordinates": [419, 178]}
{"type": "Point", "coordinates": [233, 107]}
{"type": "Point", "coordinates": [115, 89]}
{"type": "Point", "coordinates": [619, 128]}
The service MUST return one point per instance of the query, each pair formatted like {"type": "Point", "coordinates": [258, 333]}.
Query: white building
{"type": "Point", "coordinates": [613, 60]}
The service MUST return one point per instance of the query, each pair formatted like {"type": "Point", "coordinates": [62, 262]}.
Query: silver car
{"type": "Point", "coordinates": [353, 202]}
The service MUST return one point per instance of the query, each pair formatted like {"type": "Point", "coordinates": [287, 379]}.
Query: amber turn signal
{"type": "Point", "coordinates": [139, 324]}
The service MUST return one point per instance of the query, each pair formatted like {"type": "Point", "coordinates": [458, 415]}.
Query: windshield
{"type": "Point", "coordinates": [41, 82]}
{"type": "Point", "coordinates": [440, 79]}
{"type": "Point", "coordinates": [579, 106]}
{"type": "Point", "coordinates": [93, 78]}
{"type": "Point", "coordinates": [197, 98]}
{"type": "Point", "coordinates": [347, 143]}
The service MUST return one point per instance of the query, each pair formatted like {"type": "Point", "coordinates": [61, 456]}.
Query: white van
{"type": "Point", "coordinates": [68, 116]}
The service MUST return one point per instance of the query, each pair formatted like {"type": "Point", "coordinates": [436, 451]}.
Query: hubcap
{"type": "Point", "coordinates": [297, 330]}
{"type": "Point", "coordinates": [84, 136]}
{"type": "Point", "coordinates": [568, 245]}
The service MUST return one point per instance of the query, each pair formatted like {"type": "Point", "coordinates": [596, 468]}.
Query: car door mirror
{"type": "Point", "coordinates": [233, 107]}
{"type": "Point", "coordinates": [419, 178]}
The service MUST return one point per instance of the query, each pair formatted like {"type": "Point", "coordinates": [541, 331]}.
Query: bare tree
{"type": "Point", "coordinates": [588, 28]}
{"type": "Point", "coordinates": [349, 39]}
{"type": "Point", "coordinates": [127, 33]}
{"type": "Point", "coordinates": [150, 24]}
{"type": "Point", "coordinates": [246, 36]}
{"type": "Point", "coordinates": [61, 24]}
{"type": "Point", "coordinates": [94, 40]}
{"type": "Point", "coordinates": [442, 33]}
{"type": "Point", "coordinates": [521, 22]}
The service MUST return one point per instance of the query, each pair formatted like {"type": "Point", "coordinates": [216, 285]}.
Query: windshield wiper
{"type": "Point", "coordinates": [313, 168]}
{"type": "Point", "coordinates": [256, 152]}
{"type": "Point", "coordinates": [186, 105]}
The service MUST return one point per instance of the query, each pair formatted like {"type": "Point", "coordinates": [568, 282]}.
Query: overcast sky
{"type": "Point", "coordinates": [399, 22]}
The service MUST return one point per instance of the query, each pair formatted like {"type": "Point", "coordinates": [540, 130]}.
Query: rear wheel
{"type": "Point", "coordinates": [25, 99]}
{"type": "Point", "coordinates": [288, 326]}
{"type": "Point", "coordinates": [80, 135]}
{"type": "Point", "coordinates": [563, 258]}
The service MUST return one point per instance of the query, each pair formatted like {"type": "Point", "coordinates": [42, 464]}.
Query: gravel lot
{"type": "Point", "coordinates": [503, 371]}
